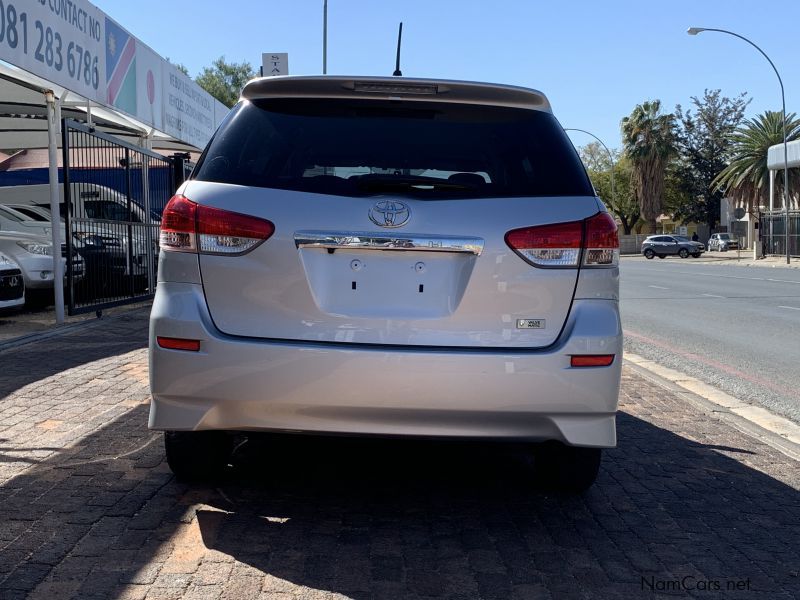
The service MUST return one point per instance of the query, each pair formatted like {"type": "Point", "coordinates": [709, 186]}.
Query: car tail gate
{"type": "Point", "coordinates": [389, 223]}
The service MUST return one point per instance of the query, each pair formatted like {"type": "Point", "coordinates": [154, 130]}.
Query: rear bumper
{"type": "Point", "coordinates": [246, 384]}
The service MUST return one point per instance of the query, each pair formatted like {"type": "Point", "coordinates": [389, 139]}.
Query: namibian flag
{"type": "Point", "coordinates": [120, 67]}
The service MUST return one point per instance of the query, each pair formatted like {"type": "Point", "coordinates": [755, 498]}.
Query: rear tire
{"type": "Point", "coordinates": [649, 254]}
{"type": "Point", "coordinates": [566, 468]}
{"type": "Point", "coordinates": [197, 455]}
{"type": "Point", "coordinates": [683, 253]}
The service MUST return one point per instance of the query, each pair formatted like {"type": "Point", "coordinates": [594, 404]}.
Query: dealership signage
{"type": "Point", "coordinates": [75, 45]}
{"type": "Point", "coordinates": [274, 64]}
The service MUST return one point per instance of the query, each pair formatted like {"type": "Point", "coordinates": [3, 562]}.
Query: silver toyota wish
{"type": "Point", "coordinates": [388, 257]}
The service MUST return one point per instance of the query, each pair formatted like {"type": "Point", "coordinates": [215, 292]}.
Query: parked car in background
{"type": "Point", "coordinates": [13, 220]}
{"type": "Point", "coordinates": [34, 256]}
{"type": "Point", "coordinates": [377, 256]}
{"type": "Point", "coordinates": [89, 200]}
{"type": "Point", "coordinates": [101, 238]}
{"type": "Point", "coordinates": [12, 284]}
{"type": "Point", "coordinates": [722, 242]}
{"type": "Point", "coordinates": [671, 245]}
{"type": "Point", "coordinates": [35, 213]}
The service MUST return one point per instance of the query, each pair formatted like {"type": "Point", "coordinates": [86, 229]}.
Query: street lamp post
{"type": "Point", "coordinates": [325, 37]}
{"type": "Point", "coordinates": [610, 156]}
{"type": "Point", "coordinates": [695, 31]}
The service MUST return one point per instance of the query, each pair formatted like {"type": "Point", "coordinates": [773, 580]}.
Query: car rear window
{"type": "Point", "coordinates": [420, 149]}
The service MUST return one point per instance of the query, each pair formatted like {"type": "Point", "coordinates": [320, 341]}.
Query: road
{"type": "Point", "coordinates": [737, 328]}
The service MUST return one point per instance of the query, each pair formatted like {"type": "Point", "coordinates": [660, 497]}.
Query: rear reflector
{"type": "Point", "coordinates": [591, 360]}
{"type": "Point", "coordinates": [178, 344]}
{"type": "Point", "coordinates": [561, 244]}
{"type": "Point", "coordinates": [190, 227]}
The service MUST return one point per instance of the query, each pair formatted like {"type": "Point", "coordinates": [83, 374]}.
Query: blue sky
{"type": "Point", "coordinates": [595, 60]}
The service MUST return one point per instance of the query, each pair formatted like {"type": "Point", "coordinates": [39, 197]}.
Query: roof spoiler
{"type": "Point", "coordinates": [393, 88]}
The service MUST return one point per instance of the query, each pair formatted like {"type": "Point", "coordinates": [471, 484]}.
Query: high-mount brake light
{"type": "Point", "coordinates": [190, 227]}
{"type": "Point", "coordinates": [561, 245]}
{"type": "Point", "coordinates": [395, 88]}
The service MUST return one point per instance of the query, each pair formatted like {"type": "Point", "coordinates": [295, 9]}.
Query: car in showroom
{"type": "Point", "coordinates": [388, 257]}
{"type": "Point", "coordinates": [12, 285]}
{"type": "Point", "coordinates": [671, 245]}
{"type": "Point", "coordinates": [722, 242]}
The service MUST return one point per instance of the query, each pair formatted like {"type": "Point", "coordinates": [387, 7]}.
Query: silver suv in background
{"type": "Point", "coordinates": [390, 257]}
{"type": "Point", "coordinates": [722, 242]}
{"type": "Point", "coordinates": [671, 245]}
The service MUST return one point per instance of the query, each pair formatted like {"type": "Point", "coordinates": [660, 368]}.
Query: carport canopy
{"type": "Point", "coordinates": [25, 124]}
{"type": "Point", "coordinates": [23, 115]}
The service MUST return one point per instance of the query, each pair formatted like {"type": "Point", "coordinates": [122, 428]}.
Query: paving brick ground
{"type": "Point", "coordinates": [686, 506]}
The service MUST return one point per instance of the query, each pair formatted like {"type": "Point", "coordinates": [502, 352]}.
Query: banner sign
{"type": "Point", "coordinates": [189, 111]}
{"type": "Point", "coordinates": [59, 41]}
{"type": "Point", "coordinates": [75, 45]}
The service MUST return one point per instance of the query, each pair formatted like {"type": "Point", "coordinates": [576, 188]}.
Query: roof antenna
{"type": "Point", "coordinates": [397, 71]}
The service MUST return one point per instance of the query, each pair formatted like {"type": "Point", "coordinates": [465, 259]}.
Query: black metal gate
{"type": "Point", "coordinates": [114, 193]}
{"type": "Point", "coordinates": [773, 232]}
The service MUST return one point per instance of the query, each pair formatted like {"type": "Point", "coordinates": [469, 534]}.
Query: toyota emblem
{"type": "Point", "coordinates": [390, 213]}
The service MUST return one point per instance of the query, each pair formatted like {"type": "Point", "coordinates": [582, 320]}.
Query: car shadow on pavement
{"type": "Point", "coordinates": [92, 342]}
{"type": "Point", "coordinates": [11, 454]}
{"type": "Point", "coordinates": [398, 519]}
{"type": "Point", "coordinates": [465, 520]}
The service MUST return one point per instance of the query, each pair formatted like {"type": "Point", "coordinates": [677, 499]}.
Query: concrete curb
{"type": "Point", "coordinates": [725, 261]}
{"type": "Point", "coordinates": [774, 430]}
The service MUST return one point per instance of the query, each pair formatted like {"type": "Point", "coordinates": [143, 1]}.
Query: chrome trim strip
{"type": "Point", "coordinates": [337, 240]}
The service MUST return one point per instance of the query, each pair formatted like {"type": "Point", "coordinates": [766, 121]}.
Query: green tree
{"type": "Point", "coordinates": [225, 80]}
{"type": "Point", "coordinates": [648, 136]}
{"type": "Point", "coordinates": [622, 203]}
{"type": "Point", "coordinates": [180, 66]}
{"type": "Point", "coordinates": [703, 142]}
{"type": "Point", "coordinates": [746, 178]}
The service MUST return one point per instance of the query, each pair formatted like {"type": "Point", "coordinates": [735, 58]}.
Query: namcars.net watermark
{"type": "Point", "coordinates": [689, 583]}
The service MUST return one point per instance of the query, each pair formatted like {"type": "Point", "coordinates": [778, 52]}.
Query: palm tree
{"type": "Point", "coordinates": [746, 178]}
{"type": "Point", "coordinates": [648, 137]}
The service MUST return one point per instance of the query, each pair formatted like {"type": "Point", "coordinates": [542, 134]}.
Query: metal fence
{"type": "Point", "coordinates": [773, 232]}
{"type": "Point", "coordinates": [114, 193]}
{"type": "Point", "coordinates": [631, 244]}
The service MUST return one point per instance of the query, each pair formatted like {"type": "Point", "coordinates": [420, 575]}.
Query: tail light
{"type": "Point", "coordinates": [601, 246]}
{"type": "Point", "coordinates": [190, 227]}
{"type": "Point", "coordinates": [562, 244]}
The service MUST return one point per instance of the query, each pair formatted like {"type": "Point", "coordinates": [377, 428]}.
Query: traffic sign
{"type": "Point", "coordinates": [274, 64]}
{"type": "Point", "coordinates": [738, 213]}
